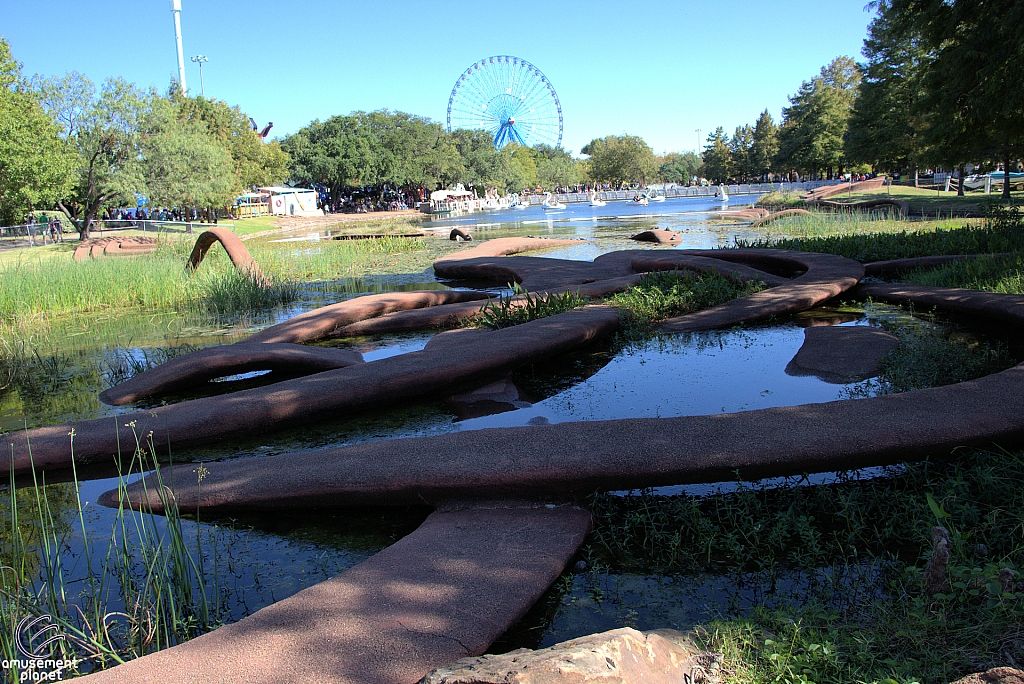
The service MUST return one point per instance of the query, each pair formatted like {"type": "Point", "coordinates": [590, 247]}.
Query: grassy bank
{"type": "Point", "coordinates": [869, 238]}
{"type": "Point", "coordinates": [840, 567]}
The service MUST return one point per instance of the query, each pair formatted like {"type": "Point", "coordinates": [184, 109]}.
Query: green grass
{"type": "Point", "coordinates": [333, 259]}
{"type": "Point", "coordinates": [56, 287]}
{"type": "Point", "coordinates": [845, 560]}
{"type": "Point", "coordinates": [522, 307]}
{"type": "Point", "coordinates": [991, 274]}
{"type": "Point", "coordinates": [665, 294]}
{"type": "Point", "coordinates": [869, 239]}
{"type": "Point", "coordinates": [780, 199]}
{"type": "Point", "coordinates": [147, 592]}
{"type": "Point", "coordinates": [931, 202]}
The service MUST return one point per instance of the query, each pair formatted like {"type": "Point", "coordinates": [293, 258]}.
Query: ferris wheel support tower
{"type": "Point", "coordinates": [176, 11]}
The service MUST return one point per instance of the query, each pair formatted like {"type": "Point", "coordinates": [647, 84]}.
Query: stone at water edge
{"type": "Point", "coordinates": [842, 354]}
{"type": "Point", "coordinates": [660, 236]}
{"type": "Point", "coordinates": [621, 656]}
{"type": "Point", "coordinates": [998, 675]}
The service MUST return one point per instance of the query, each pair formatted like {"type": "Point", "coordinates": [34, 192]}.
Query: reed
{"type": "Point", "coordinates": [147, 591]}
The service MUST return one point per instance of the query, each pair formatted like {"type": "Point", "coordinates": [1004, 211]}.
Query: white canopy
{"type": "Point", "coordinates": [439, 195]}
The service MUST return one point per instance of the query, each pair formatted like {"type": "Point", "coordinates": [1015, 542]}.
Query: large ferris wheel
{"type": "Point", "coordinates": [511, 99]}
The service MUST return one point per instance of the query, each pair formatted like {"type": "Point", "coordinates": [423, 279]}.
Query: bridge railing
{"type": "Point", "coordinates": [687, 191]}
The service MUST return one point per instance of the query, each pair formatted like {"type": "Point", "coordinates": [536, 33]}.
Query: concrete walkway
{"type": "Point", "coordinates": [444, 592]}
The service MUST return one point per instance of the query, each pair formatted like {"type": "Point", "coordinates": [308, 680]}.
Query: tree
{"type": "Point", "coordinates": [717, 158]}
{"type": "Point", "coordinates": [678, 168]}
{"type": "Point", "coordinates": [36, 165]}
{"type": "Point", "coordinates": [256, 163]}
{"type": "Point", "coordinates": [885, 124]}
{"type": "Point", "coordinates": [555, 167]}
{"type": "Point", "coordinates": [974, 76]}
{"type": "Point", "coordinates": [65, 98]}
{"type": "Point", "coordinates": [620, 159]}
{"type": "Point", "coordinates": [182, 164]}
{"type": "Point", "coordinates": [740, 150]}
{"type": "Point", "coordinates": [108, 142]}
{"type": "Point", "coordinates": [813, 126]}
{"type": "Point", "coordinates": [764, 146]}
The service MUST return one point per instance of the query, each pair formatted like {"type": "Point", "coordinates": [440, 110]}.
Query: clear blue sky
{"type": "Point", "coordinates": [657, 69]}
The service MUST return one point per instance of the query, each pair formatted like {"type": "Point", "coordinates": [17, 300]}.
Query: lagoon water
{"type": "Point", "coordinates": [266, 558]}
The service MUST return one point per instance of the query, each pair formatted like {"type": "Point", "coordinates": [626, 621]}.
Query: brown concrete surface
{"type": "Point", "coordinates": [441, 593]}
{"type": "Point", "coordinates": [308, 399]}
{"type": "Point", "coordinates": [578, 458]}
{"type": "Point", "coordinates": [777, 215]}
{"type": "Point", "coordinates": [842, 354]}
{"type": "Point", "coordinates": [215, 362]}
{"type": "Point", "coordinates": [902, 206]}
{"type": "Point", "coordinates": [236, 251]}
{"type": "Point", "coordinates": [113, 246]}
{"type": "Point", "coordinates": [661, 237]}
{"type": "Point", "coordinates": [826, 276]}
{"type": "Point", "coordinates": [619, 656]}
{"type": "Point", "coordinates": [840, 188]}
{"type": "Point", "coordinates": [323, 322]}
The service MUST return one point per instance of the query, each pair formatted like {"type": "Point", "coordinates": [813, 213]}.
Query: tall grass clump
{"type": "Point", "coordinates": [333, 259]}
{"type": "Point", "coordinates": [991, 274]}
{"type": "Point", "coordinates": [862, 238]}
{"type": "Point", "coordinates": [152, 282]}
{"type": "Point", "coordinates": [522, 307]}
{"type": "Point", "coordinates": [836, 570]}
{"type": "Point", "coordinates": [147, 591]}
{"type": "Point", "coordinates": [780, 199]}
{"type": "Point", "coordinates": [664, 294]}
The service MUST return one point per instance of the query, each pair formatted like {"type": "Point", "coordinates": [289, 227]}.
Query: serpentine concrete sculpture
{"type": "Point", "coordinates": [485, 554]}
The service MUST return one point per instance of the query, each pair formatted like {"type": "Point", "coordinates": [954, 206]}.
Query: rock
{"type": "Point", "coordinates": [621, 656]}
{"type": "Point", "coordinates": [458, 235]}
{"type": "Point", "coordinates": [998, 675]}
{"type": "Point", "coordinates": [841, 354]}
{"type": "Point", "coordinates": [498, 397]}
{"type": "Point", "coordinates": [662, 237]}
{"type": "Point", "coordinates": [934, 579]}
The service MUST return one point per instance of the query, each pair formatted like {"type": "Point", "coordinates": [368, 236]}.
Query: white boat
{"type": "Point", "coordinates": [595, 201]}
{"type": "Point", "coordinates": [639, 199]}
{"type": "Point", "coordinates": [723, 194]}
{"type": "Point", "coordinates": [653, 196]}
{"type": "Point", "coordinates": [551, 204]}
{"type": "Point", "coordinates": [521, 203]}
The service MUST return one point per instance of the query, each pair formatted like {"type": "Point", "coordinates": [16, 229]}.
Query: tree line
{"type": "Point", "coordinates": [66, 143]}
{"type": "Point", "coordinates": [939, 87]}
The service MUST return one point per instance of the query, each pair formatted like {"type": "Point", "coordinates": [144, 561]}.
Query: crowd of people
{"type": "Point", "coordinates": [45, 227]}
{"type": "Point", "coordinates": [161, 214]}
{"type": "Point", "coordinates": [367, 200]}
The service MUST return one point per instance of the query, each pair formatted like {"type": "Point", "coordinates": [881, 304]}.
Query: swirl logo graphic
{"type": "Point", "coordinates": [29, 633]}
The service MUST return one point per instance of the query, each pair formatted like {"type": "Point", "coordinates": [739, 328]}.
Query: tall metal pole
{"type": "Point", "coordinates": [698, 141]}
{"type": "Point", "coordinates": [176, 11]}
{"type": "Point", "coordinates": [199, 59]}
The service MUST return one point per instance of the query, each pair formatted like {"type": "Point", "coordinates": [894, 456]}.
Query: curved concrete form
{"type": "Point", "coordinates": [1001, 307]}
{"type": "Point", "coordinates": [902, 206]}
{"type": "Point", "coordinates": [114, 246]}
{"type": "Point", "coordinates": [485, 261]}
{"type": "Point", "coordinates": [840, 188]}
{"type": "Point", "coordinates": [893, 267]}
{"type": "Point", "coordinates": [323, 322]}
{"type": "Point", "coordinates": [304, 400]}
{"type": "Point", "coordinates": [839, 354]}
{"type": "Point", "coordinates": [826, 276]}
{"type": "Point", "coordinates": [661, 237]}
{"type": "Point", "coordinates": [751, 214]}
{"type": "Point", "coordinates": [234, 247]}
{"type": "Point", "coordinates": [785, 213]}
{"type": "Point", "coordinates": [443, 592]}
{"type": "Point", "coordinates": [215, 362]}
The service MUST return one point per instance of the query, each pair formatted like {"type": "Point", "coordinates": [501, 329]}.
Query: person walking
{"type": "Point", "coordinates": [31, 227]}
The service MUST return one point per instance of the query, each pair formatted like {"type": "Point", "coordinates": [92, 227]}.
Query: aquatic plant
{"type": "Point", "coordinates": [664, 294]}
{"type": "Point", "coordinates": [989, 273]}
{"type": "Point", "coordinates": [780, 199]}
{"type": "Point", "coordinates": [868, 238]}
{"type": "Point", "coordinates": [522, 307]}
{"type": "Point", "coordinates": [148, 592]}
{"type": "Point", "coordinates": [837, 568]}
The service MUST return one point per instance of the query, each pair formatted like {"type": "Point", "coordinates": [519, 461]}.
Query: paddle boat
{"type": "Point", "coordinates": [595, 201]}
{"type": "Point", "coordinates": [723, 194]}
{"type": "Point", "coordinates": [639, 199]}
{"type": "Point", "coordinates": [521, 203]}
{"type": "Point", "coordinates": [550, 203]}
{"type": "Point", "coordinates": [653, 196]}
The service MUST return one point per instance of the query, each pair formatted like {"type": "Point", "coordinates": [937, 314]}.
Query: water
{"type": "Point", "coordinates": [263, 559]}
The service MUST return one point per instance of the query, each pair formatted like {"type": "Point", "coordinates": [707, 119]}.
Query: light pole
{"type": "Point", "coordinates": [698, 141]}
{"type": "Point", "coordinates": [199, 59]}
{"type": "Point", "coordinates": [176, 11]}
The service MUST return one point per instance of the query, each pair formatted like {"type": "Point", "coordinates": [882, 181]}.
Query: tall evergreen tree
{"type": "Point", "coordinates": [764, 145]}
{"type": "Point", "coordinates": [717, 157]}
{"type": "Point", "coordinates": [740, 151]}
